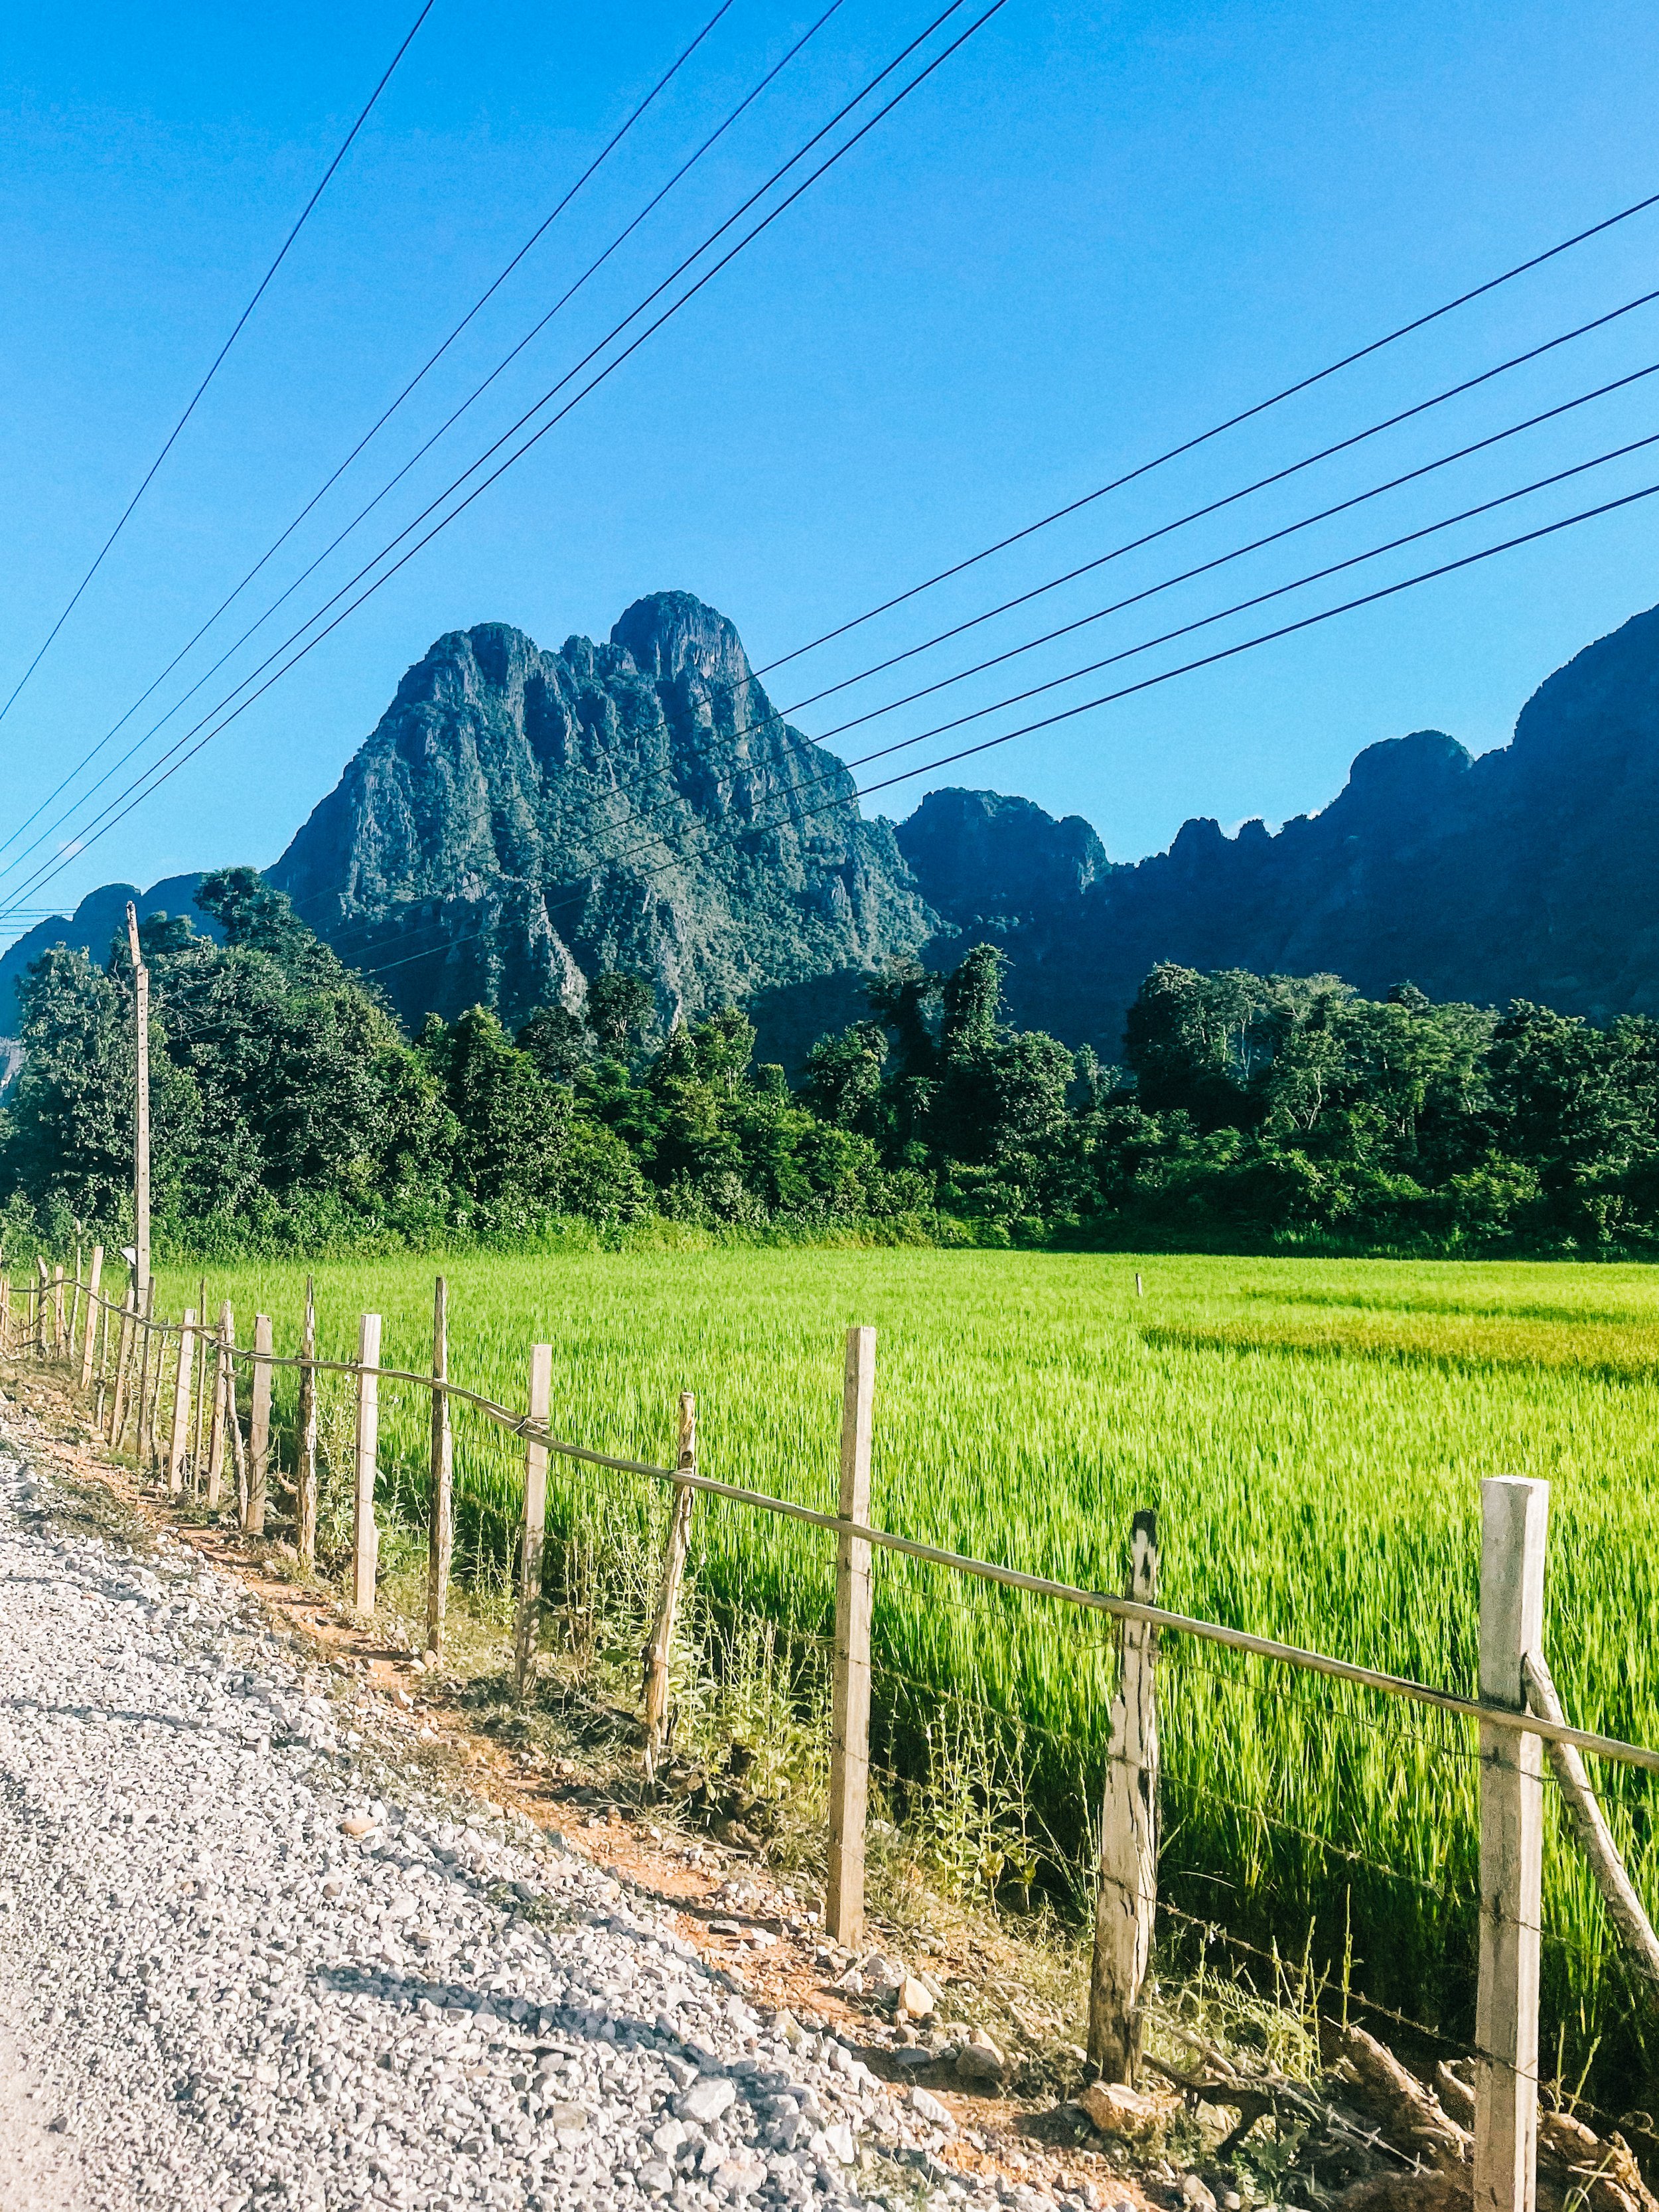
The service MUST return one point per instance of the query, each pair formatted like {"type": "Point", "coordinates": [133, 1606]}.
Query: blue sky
{"type": "Point", "coordinates": [1095, 231]}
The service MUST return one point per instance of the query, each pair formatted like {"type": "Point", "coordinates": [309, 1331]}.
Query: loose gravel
{"type": "Point", "coordinates": [244, 1967]}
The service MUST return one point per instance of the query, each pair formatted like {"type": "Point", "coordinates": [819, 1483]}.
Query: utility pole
{"type": "Point", "coordinates": [141, 1119]}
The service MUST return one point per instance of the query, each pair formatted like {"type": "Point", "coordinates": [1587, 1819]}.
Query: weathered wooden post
{"type": "Point", "coordinates": [5, 1316]}
{"type": "Point", "coordinates": [233, 1425]}
{"type": "Point", "coordinates": [178, 1441]}
{"type": "Point", "coordinates": [305, 1473]}
{"type": "Point", "coordinates": [659, 1652]}
{"type": "Point", "coordinates": [1514, 1525]}
{"type": "Point", "coordinates": [258, 1427]}
{"type": "Point", "coordinates": [440, 1525]}
{"type": "Point", "coordinates": [118, 1411]}
{"type": "Point", "coordinates": [153, 1431]}
{"type": "Point", "coordinates": [141, 1407]}
{"type": "Point", "coordinates": [218, 1437]}
{"type": "Point", "coordinates": [72, 1350]}
{"type": "Point", "coordinates": [95, 1311]}
{"type": "Point", "coordinates": [1128, 1902]}
{"type": "Point", "coordinates": [365, 1536]}
{"type": "Point", "coordinates": [849, 1743]}
{"type": "Point", "coordinates": [41, 1289]}
{"type": "Point", "coordinates": [534, 1532]}
{"type": "Point", "coordinates": [58, 1317]}
{"type": "Point", "coordinates": [202, 1334]}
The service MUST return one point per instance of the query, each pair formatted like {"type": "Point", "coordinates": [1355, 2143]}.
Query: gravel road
{"type": "Point", "coordinates": [242, 1966]}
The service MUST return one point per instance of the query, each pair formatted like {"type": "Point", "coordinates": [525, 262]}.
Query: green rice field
{"type": "Point", "coordinates": [1312, 1435]}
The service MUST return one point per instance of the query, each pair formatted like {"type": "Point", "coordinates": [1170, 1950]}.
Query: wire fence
{"type": "Point", "coordinates": [1322, 1823]}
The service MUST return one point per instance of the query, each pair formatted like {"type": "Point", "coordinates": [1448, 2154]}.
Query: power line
{"type": "Point", "coordinates": [178, 756]}
{"type": "Point", "coordinates": [1231, 423]}
{"type": "Point", "coordinates": [218, 358]}
{"type": "Point", "coordinates": [1269, 637]}
{"type": "Point", "coordinates": [375, 428]}
{"type": "Point", "coordinates": [529, 415]}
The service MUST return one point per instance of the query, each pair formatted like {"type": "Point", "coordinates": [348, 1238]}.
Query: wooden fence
{"type": "Point", "coordinates": [117, 1353]}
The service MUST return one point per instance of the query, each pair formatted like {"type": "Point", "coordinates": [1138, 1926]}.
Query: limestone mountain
{"type": "Point", "coordinates": [521, 820]}
{"type": "Point", "coordinates": [1531, 871]}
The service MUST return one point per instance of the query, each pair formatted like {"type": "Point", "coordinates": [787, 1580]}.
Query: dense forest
{"type": "Point", "coordinates": [291, 1111]}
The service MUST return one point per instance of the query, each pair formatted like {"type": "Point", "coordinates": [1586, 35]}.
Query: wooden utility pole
{"type": "Point", "coordinates": [1128, 1902]}
{"type": "Point", "coordinates": [849, 1739]}
{"type": "Point", "coordinates": [140, 1118]}
{"type": "Point", "coordinates": [1514, 1517]}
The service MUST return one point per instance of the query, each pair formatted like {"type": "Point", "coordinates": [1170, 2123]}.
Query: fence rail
{"type": "Point", "coordinates": [33, 1319]}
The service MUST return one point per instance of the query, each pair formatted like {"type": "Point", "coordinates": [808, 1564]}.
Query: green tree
{"type": "Point", "coordinates": [618, 1006]}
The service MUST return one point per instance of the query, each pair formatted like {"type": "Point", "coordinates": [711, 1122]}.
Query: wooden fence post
{"type": "Point", "coordinates": [40, 1307]}
{"type": "Point", "coordinates": [440, 1519]}
{"type": "Point", "coordinates": [258, 1427]}
{"type": "Point", "coordinates": [305, 1473]}
{"type": "Point", "coordinates": [233, 1425]}
{"type": "Point", "coordinates": [58, 1318]}
{"type": "Point", "coordinates": [153, 1432]}
{"type": "Point", "coordinates": [95, 1312]}
{"type": "Point", "coordinates": [202, 1334]}
{"type": "Point", "coordinates": [141, 1404]}
{"type": "Point", "coordinates": [1514, 1523]}
{"type": "Point", "coordinates": [216, 1438]}
{"type": "Point", "coordinates": [365, 1536]}
{"type": "Point", "coordinates": [849, 1743]}
{"type": "Point", "coordinates": [659, 1652]}
{"type": "Point", "coordinates": [535, 1520]}
{"type": "Point", "coordinates": [178, 1441]}
{"type": "Point", "coordinates": [123, 1355]}
{"type": "Point", "coordinates": [73, 1349]}
{"type": "Point", "coordinates": [5, 1316]}
{"type": "Point", "coordinates": [1127, 1901]}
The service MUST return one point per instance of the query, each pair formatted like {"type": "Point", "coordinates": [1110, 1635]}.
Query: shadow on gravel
{"type": "Point", "coordinates": [574, 2023]}
{"type": "Point", "coordinates": [105, 1713]}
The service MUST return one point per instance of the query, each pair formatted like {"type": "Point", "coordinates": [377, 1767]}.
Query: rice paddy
{"type": "Point", "coordinates": [1312, 1435]}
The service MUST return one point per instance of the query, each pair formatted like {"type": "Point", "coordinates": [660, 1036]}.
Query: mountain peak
{"type": "Point", "coordinates": [673, 633]}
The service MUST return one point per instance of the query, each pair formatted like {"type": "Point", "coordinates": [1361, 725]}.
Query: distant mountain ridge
{"type": "Point", "coordinates": [520, 820]}
{"type": "Point", "coordinates": [100, 918]}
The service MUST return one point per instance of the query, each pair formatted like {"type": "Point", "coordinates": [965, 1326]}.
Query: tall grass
{"type": "Point", "coordinates": [1312, 1434]}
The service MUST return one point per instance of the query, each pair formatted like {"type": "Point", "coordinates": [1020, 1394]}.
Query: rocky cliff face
{"type": "Point", "coordinates": [521, 820]}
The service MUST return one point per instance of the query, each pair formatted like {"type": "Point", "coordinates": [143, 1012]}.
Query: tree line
{"type": "Point", "coordinates": [291, 1111]}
